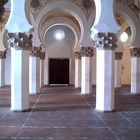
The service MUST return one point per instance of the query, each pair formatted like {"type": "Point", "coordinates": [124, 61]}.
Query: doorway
{"type": "Point", "coordinates": [58, 71]}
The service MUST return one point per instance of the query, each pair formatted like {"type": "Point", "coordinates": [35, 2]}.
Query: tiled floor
{"type": "Point", "coordinates": [61, 113]}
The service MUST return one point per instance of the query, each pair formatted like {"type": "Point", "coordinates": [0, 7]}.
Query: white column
{"type": "Point", "coordinates": [77, 69]}
{"type": "Point", "coordinates": [46, 71]}
{"type": "Point", "coordinates": [135, 75]}
{"type": "Point", "coordinates": [105, 80]}
{"type": "Point", "coordinates": [41, 72]}
{"type": "Point", "coordinates": [118, 68]}
{"type": "Point", "coordinates": [77, 73]}
{"type": "Point", "coordinates": [117, 73]}
{"type": "Point", "coordinates": [8, 68]}
{"type": "Point", "coordinates": [19, 80]}
{"type": "Point", "coordinates": [34, 75]}
{"type": "Point", "coordinates": [104, 35]}
{"type": "Point", "coordinates": [2, 72]}
{"type": "Point", "coordinates": [86, 74]}
{"type": "Point", "coordinates": [135, 70]}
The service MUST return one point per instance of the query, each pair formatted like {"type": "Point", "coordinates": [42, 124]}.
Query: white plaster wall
{"type": "Point", "coordinates": [126, 66]}
{"type": "Point", "coordinates": [8, 68]}
{"type": "Point", "coordinates": [62, 50]}
{"type": "Point", "coordinates": [59, 50]}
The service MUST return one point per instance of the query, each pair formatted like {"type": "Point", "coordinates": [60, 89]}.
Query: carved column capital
{"type": "Point", "coordinates": [135, 52]}
{"type": "Point", "coordinates": [20, 41]}
{"type": "Point", "coordinates": [118, 55]}
{"type": "Point", "coordinates": [87, 51]}
{"type": "Point", "coordinates": [35, 52]}
{"type": "Point", "coordinates": [2, 54]}
{"type": "Point", "coordinates": [42, 55]}
{"type": "Point", "coordinates": [77, 55]}
{"type": "Point", "coordinates": [105, 41]}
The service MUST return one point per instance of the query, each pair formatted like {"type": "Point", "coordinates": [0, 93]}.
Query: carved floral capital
{"type": "Point", "coordinates": [105, 41]}
{"type": "Point", "coordinates": [118, 55]}
{"type": "Point", "coordinates": [77, 55]}
{"type": "Point", "coordinates": [42, 55]}
{"type": "Point", "coordinates": [2, 54]}
{"type": "Point", "coordinates": [20, 41]}
{"type": "Point", "coordinates": [135, 52]}
{"type": "Point", "coordinates": [86, 51]}
{"type": "Point", "coordinates": [36, 52]}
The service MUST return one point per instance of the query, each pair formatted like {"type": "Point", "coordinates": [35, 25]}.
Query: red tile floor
{"type": "Point", "coordinates": [61, 113]}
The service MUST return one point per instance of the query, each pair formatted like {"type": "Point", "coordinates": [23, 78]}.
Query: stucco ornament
{"type": "Point", "coordinates": [20, 40]}
{"type": "Point", "coordinates": [105, 40]}
{"type": "Point", "coordinates": [137, 3]}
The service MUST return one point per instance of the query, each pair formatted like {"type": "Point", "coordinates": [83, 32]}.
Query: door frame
{"type": "Point", "coordinates": [49, 70]}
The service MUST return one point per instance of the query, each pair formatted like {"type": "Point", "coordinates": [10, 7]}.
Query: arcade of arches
{"type": "Point", "coordinates": [78, 43]}
{"type": "Point", "coordinates": [66, 63]}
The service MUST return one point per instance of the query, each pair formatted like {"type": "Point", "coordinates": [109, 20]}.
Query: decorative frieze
{"type": "Point", "coordinates": [105, 41]}
{"type": "Point", "coordinates": [2, 54]}
{"type": "Point", "coordinates": [20, 41]}
{"type": "Point", "coordinates": [135, 52]}
{"type": "Point", "coordinates": [118, 55]}
{"type": "Point", "coordinates": [2, 9]}
{"type": "Point", "coordinates": [86, 51]}
{"type": "Point", "coordinates": [77, 55]}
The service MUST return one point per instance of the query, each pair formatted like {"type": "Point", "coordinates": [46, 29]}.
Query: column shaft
{"type": "Point", "coordinates": [2, 72]}
{"type": "Point", "coordinates": [117, 73]}
{"type": "Point", "coordinates": [118, 68]}
{"type": "Point", "coordinates": [41, 73]}
{"type": "Point", "coordinates": [86, 82]}
{"type": "Point", "coordinates": [105, 80]}
{"type": "Point", "coordinates": [135, 70]}
{"type": "Point", "coordinates": [34, 72]}
{"type": "Point", "coordinates": [19, 80]}
{"type": "Point", "coordinates": [77, 69]}
{"type": "Point", "coordinates": [86, 74]}
{"type": "Point", "coordinates": [46, 71]}
{"type": "Point", "coordinates": [77, 73]}
{"type": "Point", "coordinates": [135, 75]}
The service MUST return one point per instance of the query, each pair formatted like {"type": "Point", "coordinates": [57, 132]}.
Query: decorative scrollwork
{"type": "Point", "coordinates": [20, 40]}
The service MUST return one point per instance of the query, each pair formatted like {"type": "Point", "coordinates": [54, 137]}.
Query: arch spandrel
{"type": "Point", "coordinates": [133, 21]}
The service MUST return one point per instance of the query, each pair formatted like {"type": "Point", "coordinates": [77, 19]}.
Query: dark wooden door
{"type": "Point", "coordinates": [58, 71]}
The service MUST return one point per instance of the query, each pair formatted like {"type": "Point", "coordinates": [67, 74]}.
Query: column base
{"type": "Point", "coordinates": [85, 93]}
{"type": "Point", "coordinates": [34, 93]}
{"type": "Point", "coordinates": [25, 110]}
{"type": "Point", "coordinates": [105, 111]}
